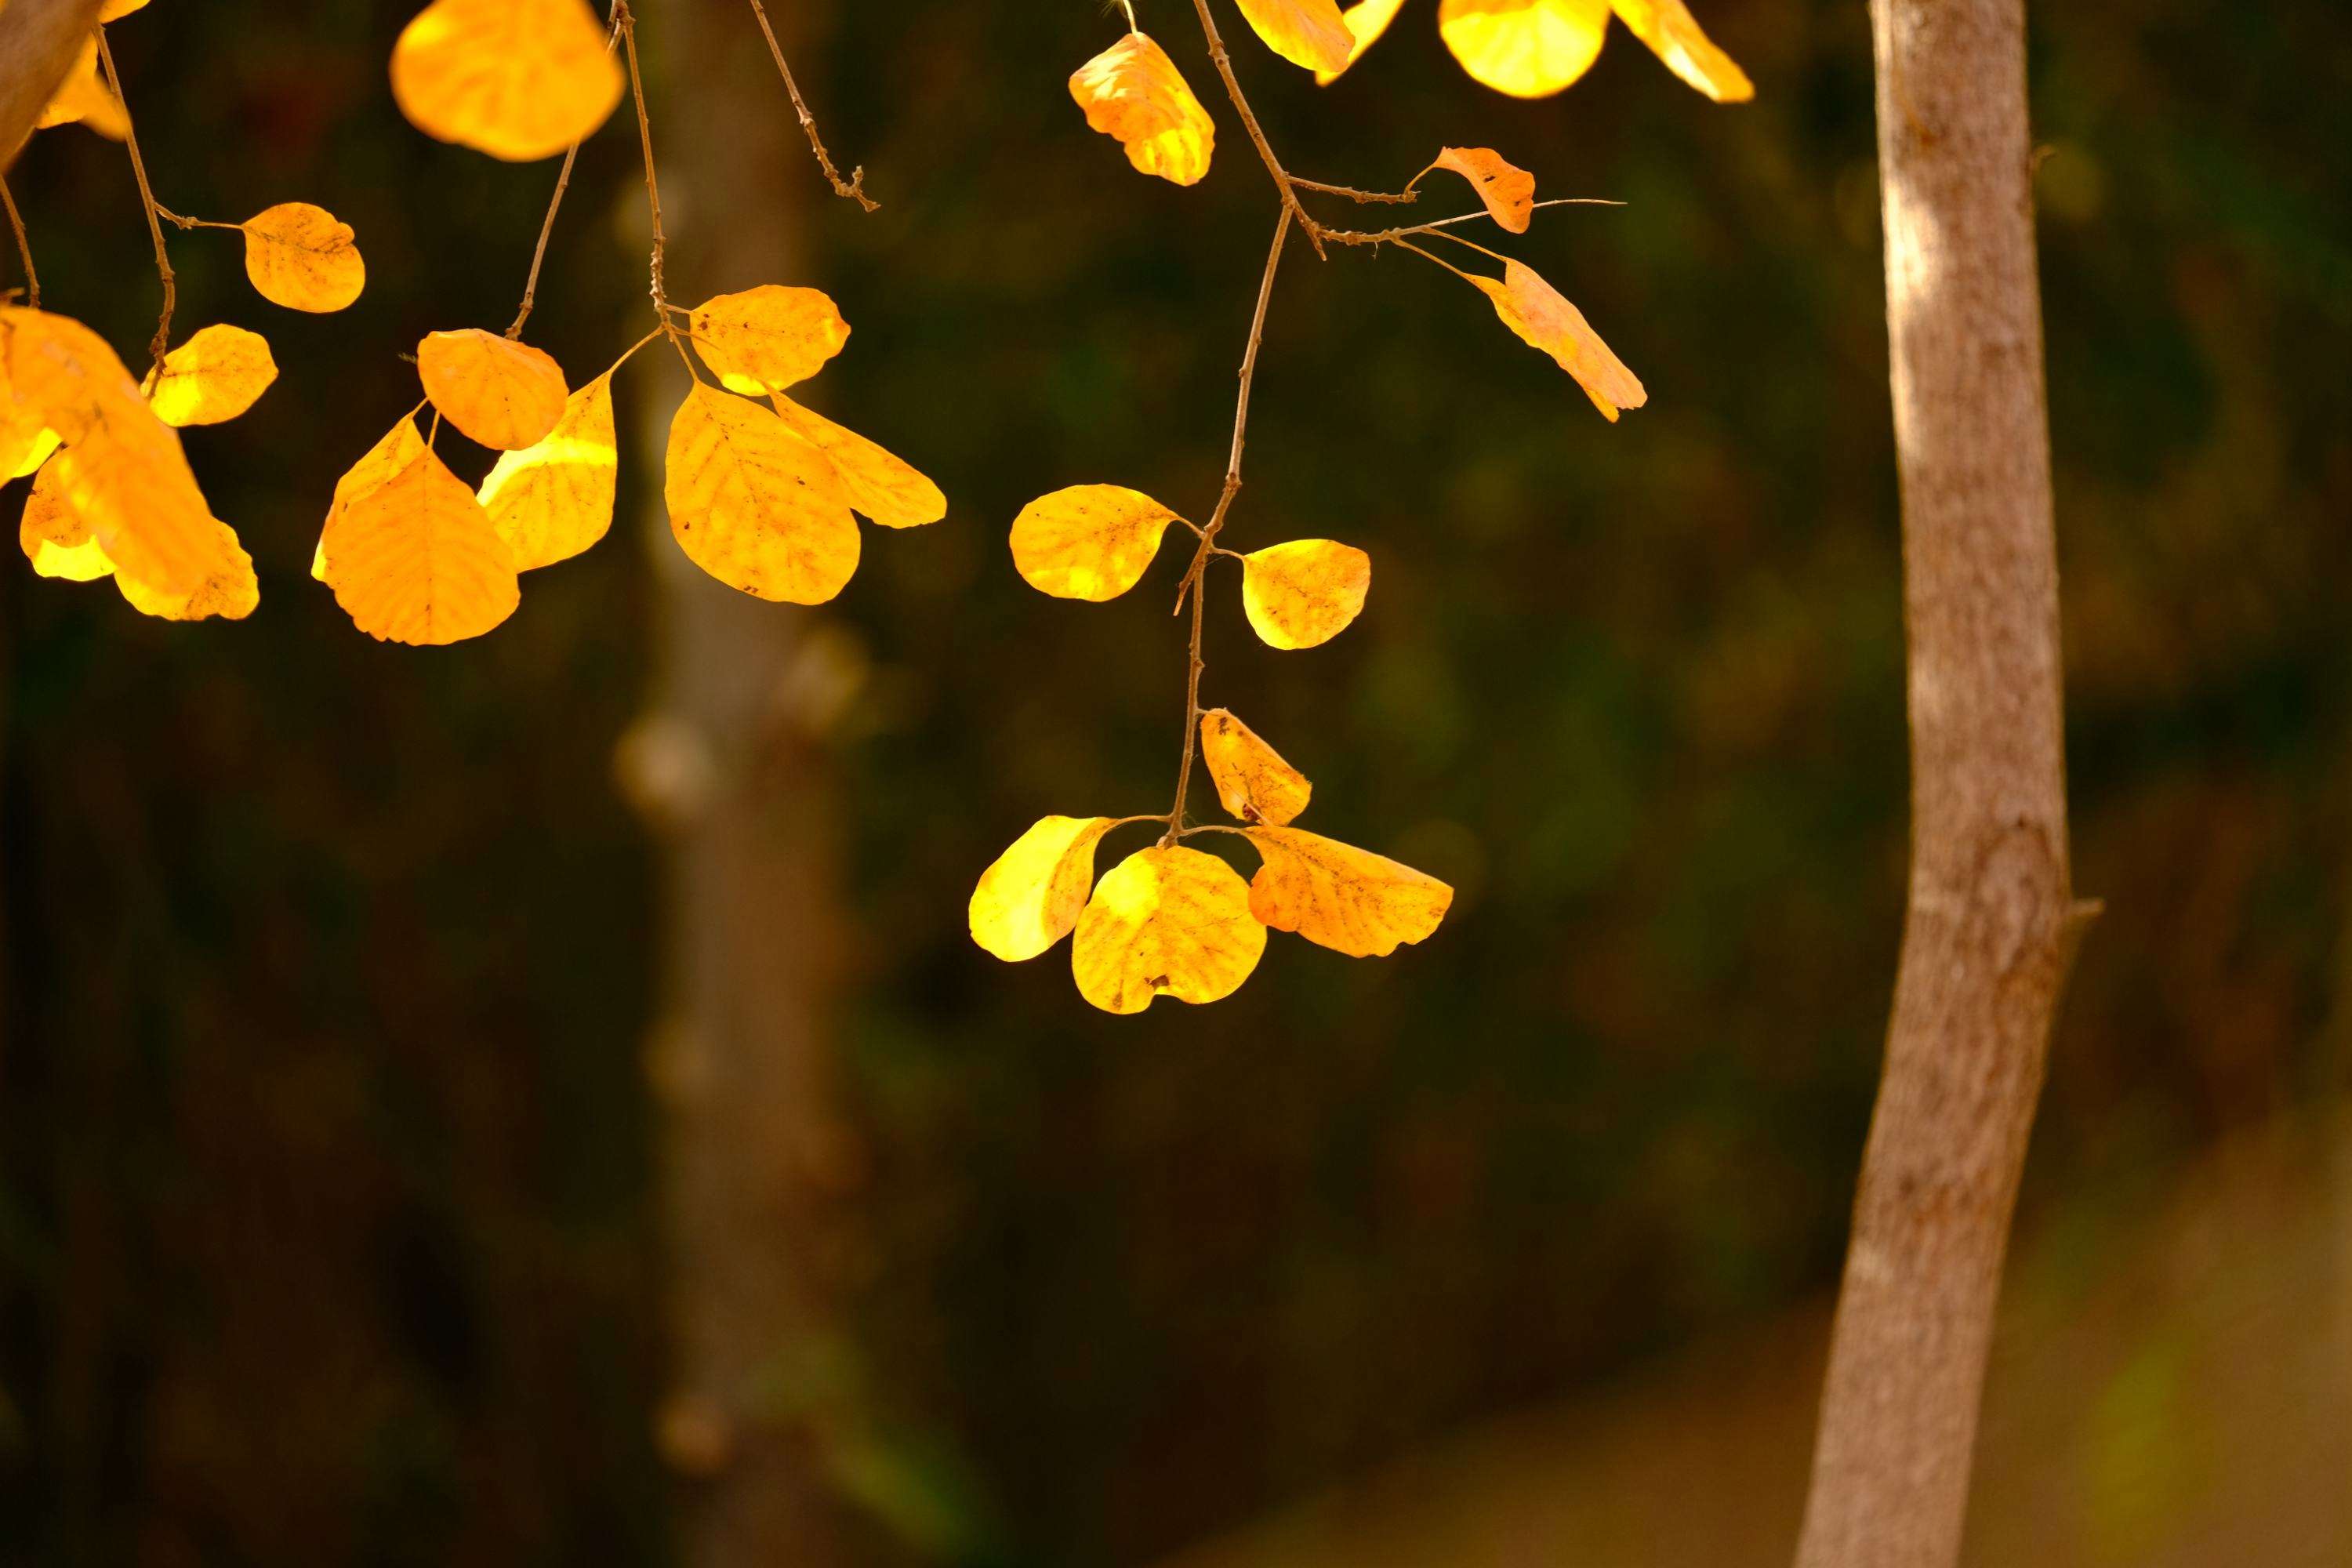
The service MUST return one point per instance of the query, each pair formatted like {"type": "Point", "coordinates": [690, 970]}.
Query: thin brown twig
{"type": "Point", "coordinates": [23, 248]}
{"type": "Point", "coordinates": [563, 184]}
{"type": "Point", "coordinates": [853, 187]}
{"type": "Point", "coordinates": [162, 344]}
{"type": "Point", "coordinates": [1396, 198]}
{"type": "Point", "coordinates": [628, 24]}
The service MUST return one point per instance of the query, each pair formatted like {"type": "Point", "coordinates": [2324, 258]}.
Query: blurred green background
{"type": "Point", "coordinates": [331, 1160]}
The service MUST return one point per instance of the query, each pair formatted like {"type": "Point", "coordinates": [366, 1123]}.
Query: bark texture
{"type": "Point", "coordinates": [1991, 924]}
{"type": "Point", "coordinates": [38, 40]}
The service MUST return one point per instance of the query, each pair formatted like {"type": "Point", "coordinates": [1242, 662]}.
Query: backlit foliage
{"type": "Point", "coordinates": [1168, 920]}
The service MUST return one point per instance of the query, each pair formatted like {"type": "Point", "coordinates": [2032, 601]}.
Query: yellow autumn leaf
{"type": "Point", "coordinates": [56, 540]}
{"type": "Point", "coordinates": [35, 452]}
{"type": "Point", "coordinates": [1508, 191]}
{"type": "Point", "coordinates": [767, 339]}
{"type": "Point", "coordinates": [1029, 899]}
{"type": "Point", "coordinates": [25, 439]}
{"type": "Point", "coordinates": [1166, 922]}
{"type": "Point", "coordinates": [213, 377]}
{"type": "Point", "coordinates": [303, 257]}
{"type": "Point", "coordinates": [876, 482]}
{"type": "Point", "coordinates": [1539, 313]}
{"type": "Point", "coordinates": [1367, 20]}
{"type": "Point", "coordinates": [1305, 592]}
{"type": "Point", "coordinates": [415, 560]}
{"type": "Point", "coordinates": [1253, 781]}
{"type": "Point", "coordinates": [502, 394]}
{"type": "Point", "coordinates": [384, 461]}
{"type": "Point", "coordinates": [84, 97]}
{"type": "Point", "coordinates": [232, 591]}
{"type": "Point", "coordinates": [1528, 49]}
{"type": "Point", "coordinates": [1133, 93]}
{"type": "Point", "coordinates": [115, 10]}
{"type": "Point", "coordinates": [552, 500]}
{"type": "Point", "coordinates": [1088, 542]}
{"type": "Point", "coordinates": [1337, 896]}
{"type": "Point", "coordinates": [1308, 33]}
{"type": "Point", "coordinates": [754, 505]}
{"type": "Point", "coordinates": [518, 79]}
{"type": "Point", "coordinates": [1674, 35]}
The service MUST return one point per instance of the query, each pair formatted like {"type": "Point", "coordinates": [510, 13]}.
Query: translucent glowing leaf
{"type": "Point", "coordinates": [1536, 312]}
{"type": "Point", "coordinates": [503, 393]}
{"type": "Point", "coordinates": [25, 439]}
{"type": "Point", "coordinates": [1255, 785]}
{"type": "Point", "coordinates": [56, 540]}
{"type": "Point", "coordinates": [1305, 592]}
{"type": "Point", "coordinates": [232, 593]}
{"type": "Point", "coordinates": [35, 452]}
{"type": "Point", "coordinates": [1367, 20]}
{"type": "Point", "coordinates": [213, 377]}
{"type": "Point", "coordinates": [1029, 899]}
{"type": "Point", "coordinates": [1308, 33]}
{"type": "Point", "coordinates": [1088, 542]}
{"type": "Point", "coordinates": [877, 483]}
{"type": "Point", "coordinates": [1337, 896]}
{"type": "Point", "coordinates": [1528, 49]}
{"type": "Point", "coordinates": [1133, 93]}
{"type": "Point", "coordinates": [415, 560]}
{"type": "Point", "coordinates": [1508, 191]}
{"type": "Point", "coordinates": [1166, 922]}
{"type": "Point", "coordinates": [552, 500]}
{"type": "Point", "coordinates": [518, 79]}
{"type": "Point", "coordinates": [1667, 27]}
{"type": "Point", "coordinates": [754, 505]}
{"type": "Point", "coordinates": [84, 97]}
{"type": "Point", "coordinates": [302, 257]}
{"type": "Point", "coordinates": [767, 339]}
{"type": "Point", "coordinates": [384, 461]}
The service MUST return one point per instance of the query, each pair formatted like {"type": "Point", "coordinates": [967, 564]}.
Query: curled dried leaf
{"type": "Point", "coordinates": [1339, 896]}
{"type": "Point", "coordinates": [1305, 592]}
{"type": "Point", "coordinates": [415, 559]}
{"type": "Point", "coordinates": [1253, 781]}
{"type": "Point", "coordinates": [1508, 191]}
{"type": "Point", "coordinates": [1133, 93]}
{"type": "Point", "coordinates": [1541, 315]}
{"type": "Point", "coordinates": [1029, 899]}
{"type": "Point", "coordinates": [1367, 20]}
{"type": "Point", "coordinates": [518, 79]}
{"type": "Point", "coordinates": [1308, 33]}
{"type": "Point", "coordinates": [768, 339]}
{"type": "Point", "coordinates": [303, 257]}
{"type": "Point", "coordinates": [754, 505]}
{"type": "Point", "coordinates": [213, 377]}
{"type": "Point", "coordinates": [503, 393]}
{"type": "Point", "coordinates": [879, 483]}
{"type": "Point", "coordinates": [1166, 922]}
{"type": "Point", "coordinates": [552, 500]}
{"type": "Point", "coordinates": [1528, 48]}
{"type": "Point", "coordinates": [1088, 542]}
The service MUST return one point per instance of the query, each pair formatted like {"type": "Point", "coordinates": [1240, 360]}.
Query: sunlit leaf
{"type": "Point", "coordinates": [768, 339]}
{"type": "Point", "coordinates": [1508, 191]}
{"type": "Point", "coordinates": [384, 461]}
{"type": "Point", "coordinates": [213, 377]}
{"type": "Point", "coordinates": [1348, 900]}
{"type": "Point", "coordinates": [303, 257]}
{"type": "Point", "coordinates": [1133, 93]}
{"type": "Point", "coordinates": [552, 500]}
{"type": "Point", "coordinates": [500, 393]}
{"type": "Point", "coordinates": [115, 10]}
{"type": "Point", "coordinates": [1305, 592]}
{"type": "Point", "coordinates": [1166, 922]}
{"type": "Point", "coordinates": [518, 79]}
{"type": "Point", "coordinates": [1029, 899]}
{"type": "Point", "coordinates": [232, 591]}
{"type": "Point", "coordinates": [1253, 781]}
{"type": "Point", "coordinates": [877, 482]}
{"type": "Point", "coordinates": [415, 560]}
{"type": "Point", "coordinates": [1367, 20]}
{"type": "Point", "coordinates": [1528, 49]}
{"type": "Point", "coordinates": [84, 98]}
{"type": "Point", "coordinates": [1667, 27]}
{"type": "Point", "coordinates": [1536, 313]}
{"type": "Point", "coordinates": [1088, 542]}
{"type": "Point", "coordinates": [56, 540]}
{"type": "Point", "coordinates": [754, 505]}
{"type": "Point", "coordinates": [1308, 33]}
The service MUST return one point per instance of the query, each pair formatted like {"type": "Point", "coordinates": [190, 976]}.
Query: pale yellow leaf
{"type": "Point", "coordinates": [1674, 37]}
{"type": "Point", "coordinates": [1132, 91]}
{"type": "Point", "coordinates": [1253, 781]}
{"type": "Point", "coordinates": [213, 377]}
{"type": "Point", "coordinates": [56, 540]}
{"type": "Point", "coordinates": [754, 505]}
{"type": "Point", "coordinates": [1348, 900]}
{"type": "Point", "coordinates": [232, 593]}
{"type": "Point", "coordinates": [415, 560]}
{"type": "Point", "coordinates": [1088, 542]}
{"type": "Point", "coordinates": [1528, 49]}
{"type": "Point", "coordinates": [519, 79]}
{"type": "Point", "coordinates": [1305, 592]}
{"type": "Point", "coordinates": [767, 339]}
{"type": "Point", "coordinates": [1166, 922]}
{"type": "Point", "coordinates": [1539, 313]}
{"type": "Point", "coordinates": [1508, 191]}
{"type": "Point", "coordinates": [551, 501]}
{"type": "Point", "coordinates": [84, 97]}
{"type": "Point", "coordinates": [879, 483]}
{"type": "Point", "coordinates": [400, 445]}
{"type": "Point", "coordinates": [1029, 899]}
{"type": "Point", "coordinates": [1308, 33]}
{"type": "Point", "coordinates": [303, 257]}
{"type": "Point", "coordinates": [1367, 20]}
{"type": "Point", "coordinates": [502, 394]}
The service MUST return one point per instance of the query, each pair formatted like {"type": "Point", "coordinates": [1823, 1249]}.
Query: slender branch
{"type": "Point", "coordinates": [162, 344]}
{"type": "Point", "coordinates": [1283, 182]}
{"type": "Point", "coordinates": [563, 184]}
{"type": "Point", "coordinates": [39, 41]}
{"type": "Point", "coordinates": [24, 248]}
{"type": "Point", "coordinates": [628, 25]}
{"type": "Point", "coordinates": [1397, 198]}
{"type": "Point", "coordinates": [853, 187]}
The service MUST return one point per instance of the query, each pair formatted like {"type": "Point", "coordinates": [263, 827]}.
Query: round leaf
{"type": "Point", "coordinates": [1337, 896]}
{"type": "Point", "coordinates": [754, 505]}
{"type": "Point", "coordinates": [304, 259]}
{"type": "Point", "coordinates": [1166, 922]}
{"type": "Point", "coordinates": [1088, 542]}
{"type": "Point", "coordinates": [518, 79]}
{"type": "Point", "coordinates": [503, 393]}
{"type": "Point", "coordinates": [1304, 593]}
{"type": "Point", "coordinates": [1029, 899]}
{"type": "Point", "coordinates": [1132, 91]}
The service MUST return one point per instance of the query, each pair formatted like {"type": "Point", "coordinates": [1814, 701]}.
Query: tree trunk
{"type": "Point", "coordinates": [1991, 925]}
{"type": "Point", "coordinates": [38, 41]}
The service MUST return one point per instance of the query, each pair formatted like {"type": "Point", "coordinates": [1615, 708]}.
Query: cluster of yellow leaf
{"type": "Point", "coordinates": [1533, 48]}
{"type": "Point", "coordinates": [1171, 921]}
{"type": "Point", "coordinates": [518, 79]}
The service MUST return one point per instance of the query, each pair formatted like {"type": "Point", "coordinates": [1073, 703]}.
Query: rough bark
{"type": "Point", "coordinates": [38, 40]}
{"type": "Point", "coordinates": [1991, 924]}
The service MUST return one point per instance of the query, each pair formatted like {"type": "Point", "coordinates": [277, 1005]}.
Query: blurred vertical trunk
{"type": "Point", "coordinates": [758, 1163]}
{"type": "Point", "coordinates": [1991, 924]}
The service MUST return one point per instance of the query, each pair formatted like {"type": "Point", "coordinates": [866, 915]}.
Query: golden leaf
{"type": "Point", "coordinates": [303, 257]}
{"type": "Point", "coordinates": [56, 540]}
{"type": "Point", "coordinates": [232, 593]}
{"type": "Point", "coordinates": [1306, 593]}
{"type": "Point", "coordinates": [519, 79]}
{"type": "Point", "coordinates": [35, 452]}
{"type": "Point", "coordinates": [25, 439]}
{"type": "Point", "coordinates": [502, 394]}
{"type": "Point", "coordinates": [1508, 191]}
{"type": "Point", "coordinates": [1367, 20]}
{"type": "Point", "coordinates": [1539, 313]}
{"type": "Point", "coordinates": [1667, 27]}
{"type": "Point", "coordinates": [1088, 542]}
{"type": "Point", "coordinates": [115, 10]}
{"type": "Point", "coordinates": [1308, 33]}
{"type": "Point", "coordinates": [84, 97]}
{"type": "Point", "coordinates": [769, 338]}
{"type": "Point", "coordinates": [754, 505]}
{"type": "Point", "coordinates": [552, 500]}
{"type": "Point", "coordinates": [876, 482]}
{"type": "Point", "coordinates": [400, 445]}
{"type": "Point", "coordinates": [1337, 896]}
{"type": "Point", "coordinates": [213, 377]}
{"type": "Point", "coordinates": [1133, 91]}
{"type": "Point", "coordinates": [1255, 785]}
{"type": "Point", "coordinates": [1166, 922]}
{"type": "Point", "coordinates": [415, 560]}
{"type": "Point", "coordinates": [1029, 899]}
{"type": "Point", "coordinates": [1528, 49]}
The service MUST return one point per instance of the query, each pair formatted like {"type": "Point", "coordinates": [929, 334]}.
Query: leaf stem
{"type": "Point", "coordinates": [853, 187]}
{"type": "Point", "coordinates": [162, 344]}
{"type": "Point", "coordinates": [563, 184]}
{"type": "Point", "coordinates": [23, 248]}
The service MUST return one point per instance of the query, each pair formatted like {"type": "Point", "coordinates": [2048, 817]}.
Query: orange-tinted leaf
{"type": "Point", "coordinates": [1253, 781]}
{"type": "Point", "coordinates": [1133, 93]}
{"type": "Point", "coordinates": [767, 339]}
{"type": "Point", "coordinates": [114, 11]}
{"type": "Point", "coordinates": [384, 461]}
{"type": "Point", "coordinates": [1308, 33]}
{"type": "Point", "coordinates": [1667, 27]}
{"type": "Point", "coordinates": [503, 393]}
{"type": "Point", "coordinates": [1348, 900]}
{"type": "Point", "coordinates": [1029, 899]}
{"type": "Point", "coordinates": [552, 500]}
{"type": "Point", "coordinates": [1536, 312]}
{"type": "Point", "coordinates": [1508, 191]}
{"type": "Point", "coordinates": [1166, 922]}
{"type": "Point", "coordinates": [232, 591]}
{"type": "Point", "coordinates": [303, 257]}
{"type": "Point", "coordinates": [879, 483]}
{"type": "Point", "coordinates": [213, 377]}
{"type": "Point", "coordinates": [1367, 20]}
{"type": "Point", "coordinates": [56, 540]}
{"type": "Point", "coordinates": [1088, 542]}
{"type": "Point", "coordinates": [1306, 593]}
{"type": "Point", "coordinates": [754, 505]}
{"type": "Point", "coordinates": [84, 97]}
{"type": "Point", "coordinates": [1528, 49]}
{"type": "Point", "coordinates": [518, 79]}
{"type": "Point", "coordinates": [415, 559]}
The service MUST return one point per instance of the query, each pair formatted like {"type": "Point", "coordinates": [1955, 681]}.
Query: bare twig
{"type": "Point", "coordinates": [24, 248]}
{"type": "Point", "coordinates": [563, 184]}
{"type": "Point", "coordinates": [853, 187]}
{"type": "Point", "coordinates": [162, 344]}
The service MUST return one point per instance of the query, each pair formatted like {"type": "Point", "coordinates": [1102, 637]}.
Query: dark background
{"type": "Point", "coordinates": [330, 1216]}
